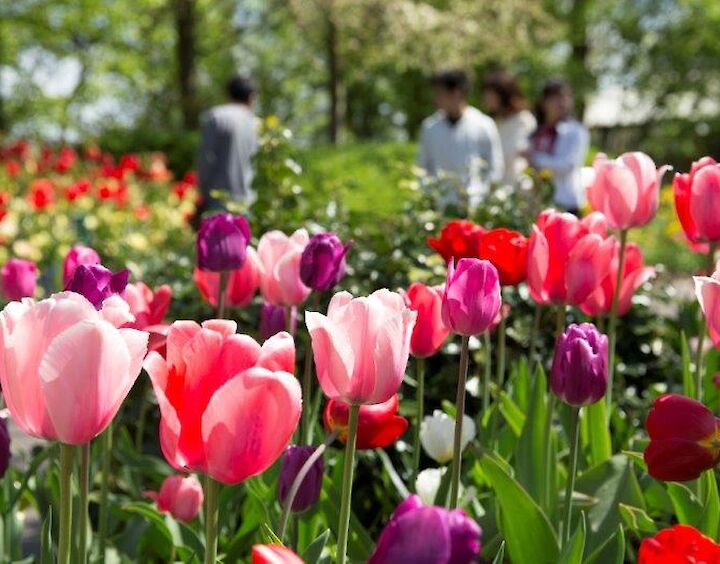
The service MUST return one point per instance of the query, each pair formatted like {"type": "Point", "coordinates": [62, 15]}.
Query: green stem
{"type": "Point", "coordinates": [67, 460]}
{"type": "Point", "coordinates": [221, 297]}
{"type": "Point", "coordinates": [560, 320]}
{"type": "Point", "coordinates": [288, 319]}
{"type": "Point", "coordinates": [212, 490]}
{"type": "Point", "coordinates": [8, 518]}
{"type": "Point", "coordinates": [612, 320]}
{"type": "Point", "coordinates": [574, 426]}
{"type": "Point", "coordinates": [500, 374]}
{"type": "Point", "coordinates": [548, 454]}
{"type": "Point", "coordinates": [459, 412]}
{"type": "Point", "coordinates": [699, 380]}
{"type": "Point", "coordinates": [106, 441]}
{"type": "Point", "coordinates": [419, 413]}
{"type": "Point", "coordinates": [487, 372]}
{"type": "Point", "coordinates": [344, 524]}
{"type": "Point", "coordinates": [84, 482]}
{"type": "Point", "coordinates": [534, 332]}
{"type": "Point", "coordinates": [307, 412]}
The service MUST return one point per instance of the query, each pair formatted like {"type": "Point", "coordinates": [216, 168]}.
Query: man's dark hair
{"type": "Point", "coordinates": [241, 89]}
{"type": "Point", "coordinates": [451, 79]}
{"type": "Point", "coordinates": [506, 88]}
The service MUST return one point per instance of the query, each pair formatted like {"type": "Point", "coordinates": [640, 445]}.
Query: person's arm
{"type": "Point", "coordinates": [494, 153]}
{"type": "Point", "coordinates": [570, 152]}
{"type": "Point", "coordinates": [206, 153]}
{"type": "Point", "coordinates": [424, 159]}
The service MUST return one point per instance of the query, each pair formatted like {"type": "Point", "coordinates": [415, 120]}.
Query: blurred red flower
{"type": "Point", "coordinates": [507, 250]}
{"type": "Point", "coordinates": [379, 425]}
{"type": "Point", "coordinates": [41, 193]}
{"type": "Point", "coordinates": [12, 167]}
{"type": "Point", "coordinates": [458, 239]}
{"type": "Point", "coordinates": [679, 544]}
{"type": "Point", "coordinates": [66, 158]}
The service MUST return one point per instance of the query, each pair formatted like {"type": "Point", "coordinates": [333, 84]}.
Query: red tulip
{"type": "Point", "coordinates": [677, 545]}
{"type": "Point", "coordinates": [429, 332]}
{"type": "Point", "coordinates": [41, 194]}
{"type": "Point", "coordinates": [274, 554]}
{"type": "Point", "coordinates": [507, 250]}
{"type": "Point", "coordinates": [697, 197]}
{"type": "Point", "coordinates": [458, 239]}
{"type": "Point", "coordinates": [707, 289]}
{"type": "Point", "coordinates": [684, 439]}
{"type": "Point", "coordinates": [242, 284]}
{"type": "Point", "coordinates": [379, 425]}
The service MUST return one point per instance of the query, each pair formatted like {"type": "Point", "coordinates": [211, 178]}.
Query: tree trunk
{"type": "Point", "coordinates": [186, 61]}
{"type": "Point", "coordinates": [582, 79]}
{"type": "Point", "coordinates": [335, 79]}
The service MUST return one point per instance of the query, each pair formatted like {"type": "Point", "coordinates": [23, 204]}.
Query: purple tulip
{"type": "Point", "coordinates": [76, 256]}
{"type": "Point", "coordinates": [427, 534]}
{"type": "Point", "coordinates": [4, 447]}
{"type": "Point", "coordinates": [272, 320]}
{"type": "Point", "coordinates": [222, 242]}
{"type": "Point", "coordinates": [579, 370]}
{"type": "Point", "coordinates": [19, 278]}
{"type": "Point", "coordinates": [472, 297]}
{"type": "Point", "coordinates": [97, 283]}
{"type": "Point", "coordinates": [322, 264]}
{"type": "Point", "coordinates": [293, 460]}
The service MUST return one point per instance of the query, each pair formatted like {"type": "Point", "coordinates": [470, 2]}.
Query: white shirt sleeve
{"type": "Point", "coordinates": [493, 153]}
{"type": "Point", "coordinates": [570, 151]}
{"type": "Point", "coordinates": [424, 160]}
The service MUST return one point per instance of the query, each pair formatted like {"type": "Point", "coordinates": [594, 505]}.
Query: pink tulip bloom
{"type": "Point", "coordinates": [242, 283]}
{"type": "Point", "coordinates": [228, 406]}
{"type": "Point", "coordinates": [429, 332]}
{"type": "Point", "coordinates": [567, 257]}
{"type": "Point", "coordinates": [66, 366]}
{"type": "Point", "coordinates": [76, 256]}
{"type": "Point", "coordinates": [181, 496]}
{"type": "Point", "coordinates": [697, 197]}
{"type": "Point", "coordinates": [280, 256]}
{"type": "Point", "coordinates": [274, 554]}
{"type": "Point", "coordinates": [148, 307]}
{"type": "Point", "coordinates": [635, 274]}
{"type": "Point", "coordinates": [707, 289]}
{"type": "Point", "coordinates": [472, 298]}
{"type": "Point", "coordinates": [19, 278]}
{"type": "Point", "coordinates": [361, 347]}
{"type": "Point", "coordinates": [626, 189]}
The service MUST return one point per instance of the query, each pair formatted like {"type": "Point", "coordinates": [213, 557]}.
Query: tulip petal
{"type": "Point", "coordinates": [333, 353]}
{"type": "Point", "coordinates": [677, 460]}
{"type": "Point", "coordinates": [278, 353]}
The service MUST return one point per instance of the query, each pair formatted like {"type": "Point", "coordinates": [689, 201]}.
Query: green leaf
{"type": "Point", "coordinates": [711, 507]}
{"type": "Point", "coordinates": [637, 520]}
{"type": "Point", "coordinates": [441, 497]}
{"type": "Point", "coordinates": [573, 551]}
{"type": "Point", "coordinates": [500, 556]}
{"type": "Point", "coordinates": [512, 413]}
{"type": "Point", "coordinates": [611, 551]}
{"type": "Point", "coordinates": [526, 529]}
{"type": "Point", "coordinates": [686, 506]}
{"type": "Point", "coordinates": [687, 376]}
{"type": "Point", "coordinates": [314, 550]}
{"type": "Point", "coordinates": [46, 546]}
{"type": "Point", "coordinates": [156, 519]}
{"type": "Point", "coordinates": [596, 433]}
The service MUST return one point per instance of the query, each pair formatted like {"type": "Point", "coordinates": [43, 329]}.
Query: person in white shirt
{"type": "Point", "coordinates": [560, 144]}
{"type": "Point", "coordinates": [459, 145]}
{"type": "Point", "coordinates": [504, 101]}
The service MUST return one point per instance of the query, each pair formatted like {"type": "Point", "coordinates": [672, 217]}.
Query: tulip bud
{"type": "Point", "coordinates": [272, 320]}
{"type": "Point", "coordinates": [379, 425]}
{"type": "Point", "coordinates": [274, 554]}
{"type": "Point", "coordinates": [180, 496]}
{"type": "Point", "coordinates": [97, 283]}
{"type": "Point", "coordinates": [76, 256]}
{"type": "Point", "coordinates": [437, 432]}
{"type": "Point", "coordinates": [292, 461]}
{"type": "Point", "coordinates": [19, 278]}
{"type": "Point", "coordinates": [579, 369]}
{"type": "Point", "coordinates": [429, 332]}
{"type": "Point", "coordinates": [4, 447]}
{"type": "Point", "coordinates": [472, 297]}
{"type": "Point", "coordinates": [222, 242]}
{"type": "Point", "coordinates": [322, 264]}
{"type": "Point", "coordinates": [427, 484]}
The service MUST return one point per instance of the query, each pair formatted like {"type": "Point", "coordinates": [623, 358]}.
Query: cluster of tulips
{"type": "Point", "coordinates": [230, 406]}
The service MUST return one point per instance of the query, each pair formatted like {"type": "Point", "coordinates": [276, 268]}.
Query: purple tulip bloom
{"type": "Point", "coordinates": [76, 256]}
{"type": "Point", "coordinates": [222, 242]}
{"type": "Point", "coordinates": [579, 369]}
{"type": "Point", "coordinates": [427, 534]}
{"type": "Point", "coordinates": [272, 320]}
{"type": "Point", "coordinates": [19, 278]}
{"type": "Point", "coordinates": [322, 264]}
{"type": "Point", "coordinates": [292, 461]}
{"type": "Point", "coordinates": [4, 447]}
{"type": "Point", "coordinates": [97, 283]}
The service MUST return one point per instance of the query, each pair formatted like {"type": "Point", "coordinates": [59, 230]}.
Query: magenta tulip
{"type": "Point", "coordinates": [472, 299]}
{"type": "Point", "coordinates": [19, 278]}
{"type": "Point", "coordinates": [76, 256]}
{"type": "Point", "coordinates": [280, 256]}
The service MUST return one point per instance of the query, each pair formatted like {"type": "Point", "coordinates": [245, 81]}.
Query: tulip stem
{"type": "Point", "coordinates": [419, 413]}
{"type": "Point", "coordinates": [699, 353]}
{"type": "Point", "coordinates": [300, 478]}
{"type": "Point", "coordinates": [560, 320]}
{"type": "Point", "coordinates": [574, 429]}
{"type": "Point", "coordinates": [344, 524]}
{"type": "Point", "coordinates": [67, 460]}
{"type": "Point", "coordinates": [307, 411]}
{"type": "Point", "coordinates": [84, 483]}
{"type": "Point", "coordinates": [534, 332]}
{"type": "Point", "coordinates": [222, 285]}
{"type": "Point", "coordinates": [212, 491]}
{"type": "Point", "coordinates": [612, 320]}
{"type": "Point", "coordinates": [459, 413]}
{"type": "Point", "coordinates": [105, 459]}
{"type": "Point", "coordinates": [487, 372]}
{"type": "Point", "coordinates": [500, 375]}
{"type": "Point", "coordinates": [549, 500]}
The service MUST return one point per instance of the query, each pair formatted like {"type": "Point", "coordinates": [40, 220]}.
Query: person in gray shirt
{"type": "Point", "coordinates": [228, 142]}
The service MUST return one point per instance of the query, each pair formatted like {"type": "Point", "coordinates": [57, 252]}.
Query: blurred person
{"type": "Point", "coordinates": [228, 141]}
{"type": "Point", "coordinates": [504, 101]}
{"type": "Point", "coordinates": [560, 144]}
{"type": "Point", "coordinates": [460, 143]}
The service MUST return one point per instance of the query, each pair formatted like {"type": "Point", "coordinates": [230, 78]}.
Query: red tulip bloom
{"type": "Point", "coordinates": [41, 194]}
{"type": "Point", "coordinates": [65, 160]}
{"type": "Point", "coordinates": [12, 167]}
{"type": "Point", "coordinates": [678, 544]}
{"type": "Point", "coordinates": [429, 332]}
{"type": "Point", "coordinates": [379, 425]}
{"type": "Point", "coordinates": [507, 250]}
{"type": "Point", "coordinates": [684, 439]}
{"type": "Point", "coordinates": [697, 194]}
{"type": "Point", "coordinates": [458, 239]}
{"type": "Point", "coordinates": [274, 554]}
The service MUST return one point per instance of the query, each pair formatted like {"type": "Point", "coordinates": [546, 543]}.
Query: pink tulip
{"type": "Point", "coordinates": [707, 289]}
{"type": "Point", "coordinates": [76, 256]}
{"type": "Point", "coordinates": [567, 257]}
{"type": "Point", "coordinates": [361, 347]}
{"type": "Point", "coordinates": [280, 256]}
{"type": "Point", "coordinates": [274, 554]}
{"type": "Point", "coordinates": [19, 278]}
{"type": "Point", "coordinates": [626, 189]}
{"type": "Point", "coordinates": [635, 274]}
{"type": "Point", "coordinates": [228, 406]}
{"type": "Point", "coordinates": [242, 283]}
{"type": "Point", "coordinates": [148, 307]}
{"type": "Point", "coordinates": [697, 197]}
{"type": "Point", "coordinates": [472, 298]}
{"type": "Point", "coordinates": [66, 366]}
{"type": "Point", "coordinates": [429, 332]}
{"type": "Point", "coordinates": [181, 496]}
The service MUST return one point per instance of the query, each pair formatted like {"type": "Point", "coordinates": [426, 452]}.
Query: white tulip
{"type": "Point", "coordinates": [427, 484]}
{"type": "Point", "coordinates": [437, 432]}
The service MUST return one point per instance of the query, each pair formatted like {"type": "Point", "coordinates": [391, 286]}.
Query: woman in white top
{"type": "Point", "coordinates": [560, 144]}
{"type": "Point", "coordinates": [504, 101]}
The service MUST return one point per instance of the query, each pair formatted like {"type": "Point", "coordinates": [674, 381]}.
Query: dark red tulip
{"type": "Point", "coordinates": [458, 239]}
{"type": "Point", "coordinates": [508, 251]}
{"type": "Point", "coordinates": [680, 543]}
{"type": "Point", "coordinates": [379, 425]}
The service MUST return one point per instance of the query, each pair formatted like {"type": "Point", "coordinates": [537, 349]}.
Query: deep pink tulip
{"type": "Point", "coordinates": [76, 256]}
{"type": "Point", "coordinates": [707, 289]}
{"type": "Point", "coordinates": [567, 257]}
{"type": "Point", "coordinates": [242, 283]}
{"type": "Point", "coordinates": [67, 367]}
{"type": "Point", "coordinates": [280, 256]}
{"type": "Point", "coordinates": [19, 278]}
{"type": "Point", "coordinates": [626, 190]}
{"type": "Point", "coordinates": [697, 197]}
{"type": "Point", "coordinates": [274, 554]}
{"type": "Point", "coordinates": [181, 496]}
{"type": "Point", "coordinates": [147, 306]}
{"type": "Point", "coordinates": [429, 332]}
{"type": "Point", "coordinates": [472, 299]}
{"type": "Point", "coordinates": [361, 347]}
{"type": "Point", "coordinates": [228, 406]}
